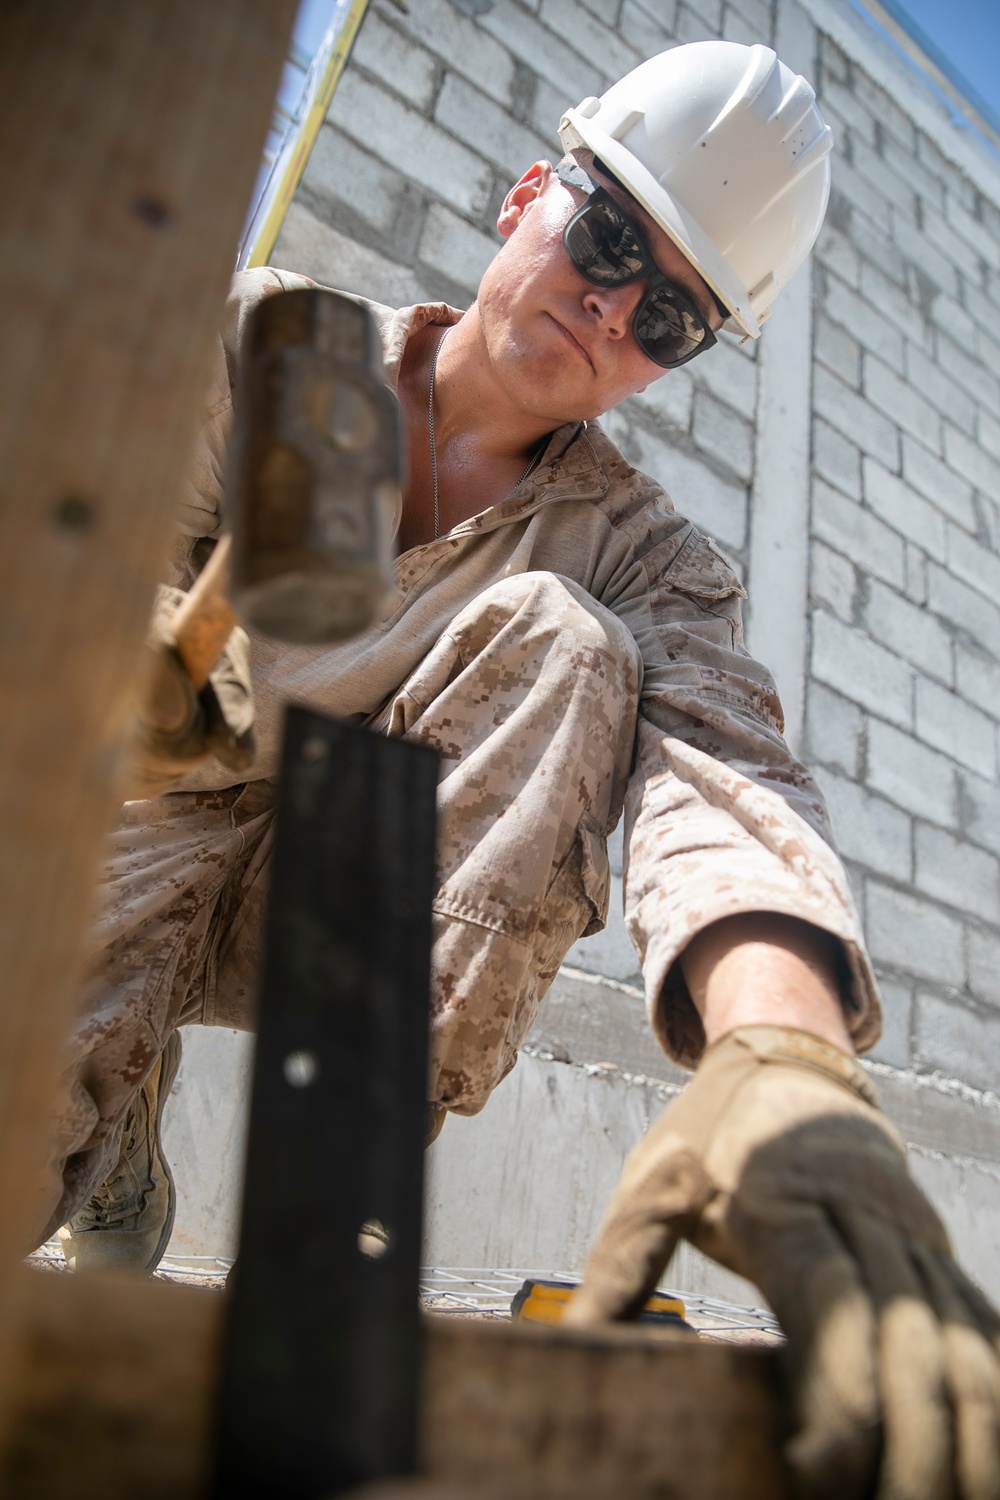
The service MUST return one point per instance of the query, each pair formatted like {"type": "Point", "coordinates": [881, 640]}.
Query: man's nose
{"type": "Point", "coordinates": [614, 306]}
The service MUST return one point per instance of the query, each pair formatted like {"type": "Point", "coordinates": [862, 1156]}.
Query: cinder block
{"type": "Point", "coordinates": [950, 316]}
{"type": "Point", "coordinates": [907, 164]}
{"type": "Point", "coordinates": [901, 402]}
{"type": "Point", "coordinates": [977, 236]}
{"type": "Point", "coordinates": [851, 529]}
{"type": "Point", "coordinates": [938, 483]}
{"type": "Point", "coordinates": [460, 43]}
{"type": "Point", "coordinates": [954, 1039]}
{"type": "Point", "coordinates": [835, 459]}
{"type": "Point", "coordinates": [893, 303]}
{"type": "Point", "coordinates": [885, 109]}
{"type": "Point", "coordinates": [908, 631]}
{"type": "Point", "coordinates": [988, 432]}
{"type": "Point", "coordinates": [849, 107]}
{"type": "Point", "coordinates": [452, 247]}
{"type": "Point", "coordinates": [989, 347]}
{"type": "Point", "coordinates": [670, 400]}
{"type": "Point", "coordinates": [963, 607]}
{"type": "Point", "coordinates": [757, 13]}
{"type": "Point", "coordinates": [339, 171]}
{"type": "Point", "coordinates": [860, 194]}
{"type": "Point", "coordinates": [605, 10]}
{"type": "Point", "coordinates": [730, 373]}
{"type": "Point", "coordinates": [405, 140]}
{"type": "Point", "coordinates": [691, 27]}
{"type": "Point", "coordinates": [950, 724]}
{"type": "Point", "coordinates": [940, 389]}
{"type": "Point", "coordinates": [736, 28]}
{"type": "Point", "coordinates": [916, 574]}
{"type": "Point", "coordinates": [721, 433]}
{"type": "Point", "coordinates": [838, 351]}
{"type": "Point", "coordinates": [926, 257]}
{"type": "Point", "coordinates": [913, 935]}
{"type": "Point", "coordinates": [970, 373]}
{"type": "Point", "coordinates": [307, 245]}
{"type": "Point", "coordinates": [957, 249]}
{"type": "Point", "coordinates": [957, 873]}
{"type": "Point", "coordinates": [900, 505]}
{"type": "Point", "coordinates": [911, 775]}
{"type": "Point", "coordinates": [546, 109]}
{"type": "Point", "coordinates": [835, 251]}
{"type": "Point", "coordinates": [542, 50]}
{"type": "Point", "coordinates": [718, 506]}
{"type": "Point", "coordinates": [833, 582]}
{"type": "Point", "coordinates": [709, 14]}
{"type": "Point", "coordinates": [969, 459]}
{"type": "Point", "coordinates": [470, 116]}
{"type": "Point", "coordinates": [895, 1048]}
{"type": "Point", "coordinates": [855, 418]}
{"type": "Point", "coordinates": [834, 730]}
{"type": "Point", "coordinates": [887, 182]}
{"type": "Point", "coordinates": [833, 62]}
{"type": "Point", "coordinates": [980, 807]}
{"type": "Point", "coordinates": [592, 39]}
{"type": "Point", "coordinates": [862, 670]}
{"type": "Point", "coordinates": [982, 953]}
{"type": "Point", "coordinates": [869, 831]}
{"type": "Point", "coordinates": [977, 675]}
{"type": "Point", "coordinates": [970, 560]}
{"type": "Point", "coordinates": [649, 27]}
{"type": "Point", "coordinates": [395, 60]}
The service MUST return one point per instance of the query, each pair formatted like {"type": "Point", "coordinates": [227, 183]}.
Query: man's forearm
{"type": "Point", "coordinates": [765, 969]}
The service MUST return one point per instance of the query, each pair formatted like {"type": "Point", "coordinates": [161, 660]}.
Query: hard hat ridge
{"type": "Point", "coordinates": [726, 149]}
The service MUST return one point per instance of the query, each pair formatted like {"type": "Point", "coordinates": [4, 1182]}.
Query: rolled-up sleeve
{"type": "Point", "coordinates": [721, 818]}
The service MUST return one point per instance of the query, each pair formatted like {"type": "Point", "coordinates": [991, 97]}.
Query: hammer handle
{"type": "Point", "coordinates": [205, 621]}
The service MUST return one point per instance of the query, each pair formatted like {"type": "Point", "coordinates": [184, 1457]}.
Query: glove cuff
{"type": "Point", "coordinates": [785, 1044]}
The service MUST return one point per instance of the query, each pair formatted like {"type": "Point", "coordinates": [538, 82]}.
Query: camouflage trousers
{"type": "Point", "coordinates": [531, 699]}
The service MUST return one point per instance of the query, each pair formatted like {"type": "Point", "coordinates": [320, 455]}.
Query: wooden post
{"type": "Point", "coordinates": [508, 1410]}
{"type": "Point", "coordinates": [131, 136]}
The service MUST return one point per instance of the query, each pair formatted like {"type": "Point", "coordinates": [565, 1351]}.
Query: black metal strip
{"type": "Point", "coordinates": [319, 1381]}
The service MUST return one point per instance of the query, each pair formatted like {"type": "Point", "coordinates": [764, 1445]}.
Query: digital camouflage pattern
{"type": "Point", "coordinates": [577, 647]}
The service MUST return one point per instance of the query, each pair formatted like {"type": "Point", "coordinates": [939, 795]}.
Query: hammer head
{"type": "Point", "coordinates": [315, 472]}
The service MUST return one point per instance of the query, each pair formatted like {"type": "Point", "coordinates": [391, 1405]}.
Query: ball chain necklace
{"type": "Point", "coordinates": [532, 461]}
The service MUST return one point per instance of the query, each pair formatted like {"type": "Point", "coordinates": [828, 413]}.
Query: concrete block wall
{"type": "Point", "coordinates": [849, 465]}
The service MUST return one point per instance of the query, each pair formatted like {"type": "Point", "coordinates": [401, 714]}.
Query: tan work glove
{"type": "Point", "coordinates": [777, 1162]}
{"type": "Point", "coordinates": [176, 727]}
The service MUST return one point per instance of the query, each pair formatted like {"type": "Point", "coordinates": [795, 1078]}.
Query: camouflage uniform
{"type": "Point", "coordinates": [576, 648]}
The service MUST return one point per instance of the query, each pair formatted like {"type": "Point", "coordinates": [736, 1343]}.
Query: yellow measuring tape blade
{"type": "Point", "coordinates": [271, 227]}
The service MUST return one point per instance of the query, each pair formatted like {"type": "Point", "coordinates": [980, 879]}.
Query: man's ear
{"type": "Point", "coordinates": [526, 191]}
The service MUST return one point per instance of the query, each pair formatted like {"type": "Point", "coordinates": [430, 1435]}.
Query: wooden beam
{"type": "Point", "coordinates": [115, 1395]}
{"type": "Point", "coordinates": [131, 137]}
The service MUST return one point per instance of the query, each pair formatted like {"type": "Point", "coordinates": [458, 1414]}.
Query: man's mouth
{"type": "Point", "coordinates": [574, 343]}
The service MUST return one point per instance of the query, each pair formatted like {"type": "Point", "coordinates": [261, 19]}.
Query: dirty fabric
{"type": "Point", "coordinates": [720, 817]}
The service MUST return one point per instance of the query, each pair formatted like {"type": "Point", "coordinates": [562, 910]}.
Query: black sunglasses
{"type": "Point", "coordinates": [606, 246]}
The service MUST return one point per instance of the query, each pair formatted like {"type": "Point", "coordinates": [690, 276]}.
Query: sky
{"type": "Point", "coordinates": [967, 32]}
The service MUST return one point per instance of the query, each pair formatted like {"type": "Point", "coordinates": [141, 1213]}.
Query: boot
{"type": "Point", "coordinates": [126, 1224]}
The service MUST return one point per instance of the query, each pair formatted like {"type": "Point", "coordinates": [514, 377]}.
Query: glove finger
{"type": "Point", "coordinates": [916, 1410]}
{"type": "Point", "coordinates": [639, 1235]}
{"type": "Point", "coordinates": [973, 1376]}
{"type": "Point", "coordinates": [818, 1296]}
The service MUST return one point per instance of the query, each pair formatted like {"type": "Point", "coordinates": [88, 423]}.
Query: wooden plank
{"type": "Point", "coordinates": [508, 1410]}
{"type": "Point", "coordinates": [131, 136]}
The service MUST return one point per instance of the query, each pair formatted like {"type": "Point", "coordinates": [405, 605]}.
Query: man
{"type": "Point", "coordinates": [569, 643]}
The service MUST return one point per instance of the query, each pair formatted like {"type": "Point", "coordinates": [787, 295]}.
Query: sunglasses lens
{"type": "Point", "coordinates": [603, 246]}
{"type": "Point", "coordinates": [667, 329]}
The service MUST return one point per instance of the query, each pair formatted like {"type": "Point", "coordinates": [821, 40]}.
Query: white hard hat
{"type": "Point", "coordinates": [726, 148]}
